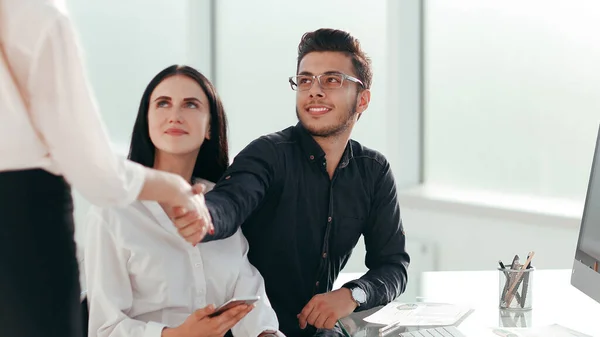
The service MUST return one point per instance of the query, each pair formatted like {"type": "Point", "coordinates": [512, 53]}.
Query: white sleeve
{"type": "Point", "coordinates": [250, 282]}
{"type": "Point", "coordinates": [108, 287]}
{"type": "Point", "coordinates": [65, 115]}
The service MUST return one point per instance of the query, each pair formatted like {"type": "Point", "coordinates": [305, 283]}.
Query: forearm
{"type": "Point", "coordinates": [382, 284]}
{"type": "Point", "coordinates": [225, 216]}
{"type": "Point", "coordinates": [233, 200]}
{"type": "Point", "coordinates": [243, 188]}
{"type": "Point", "coordinates": [162, 186]}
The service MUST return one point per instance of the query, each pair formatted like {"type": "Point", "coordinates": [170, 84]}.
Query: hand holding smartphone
{"type": "Point", "coordinates": [249, 300]}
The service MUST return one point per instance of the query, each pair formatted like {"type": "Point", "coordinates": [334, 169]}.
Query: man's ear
{"type": "Point", "coordinates": [364, 97]}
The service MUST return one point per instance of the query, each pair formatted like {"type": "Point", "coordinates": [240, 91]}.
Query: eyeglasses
{"type": "Point", "coordinates": [326, 81]}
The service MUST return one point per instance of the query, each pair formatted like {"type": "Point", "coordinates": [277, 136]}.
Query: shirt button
{"type": "Point", "coordinates": [329, 219]}
{"type": "Point", "coordinates": [324, 255]}
{"type": "Point", "coordinates": [317, 284]}
{"type": "Point", "coordinates": [311, 157]}
{"type": "Point", "coordinates": [198, 265]}
{"type": "Point", "coordinates": [227, 178]}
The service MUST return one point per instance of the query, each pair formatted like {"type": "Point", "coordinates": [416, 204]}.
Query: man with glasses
{"type": "Point", "coordinates": [304, 196]}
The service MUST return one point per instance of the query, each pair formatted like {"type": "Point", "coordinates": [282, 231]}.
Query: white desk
{"type": "Point", "coordinates": [554, 301]}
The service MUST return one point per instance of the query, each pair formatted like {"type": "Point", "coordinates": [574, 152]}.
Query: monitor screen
{"type": "Point", "coordinates": [589, 236]}
{"type": "Point", "coordinates": [586, 276]}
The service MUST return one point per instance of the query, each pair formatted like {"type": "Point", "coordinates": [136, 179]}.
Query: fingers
{"type": "Point", "coordinates": [193, 230]}
{"type": "Point", "coordinates": [230, 317]}
{"type": "Point", "coordinates": [177, 212]}
{"type": "Point", "coordinates": [184, 220]}
{"type": "Point", "coordinates": [306, 311]}
{"type": "Point", "coordinates": [198, 188]}
{"type": "Point", "coordinates": [330, 323]}
{"type": "Point", "coordinates": [188, 225]}
{"type": "Point", "coordinates": [203, 213]}
{"type": "Point", "coordinates": [201, 313]}
{"type": "Point", "coordinates": [193, 225]}
{"type": "Point", "coordinates": [319, 321]}
{"type": "Point", "coordinates": [314, 317]}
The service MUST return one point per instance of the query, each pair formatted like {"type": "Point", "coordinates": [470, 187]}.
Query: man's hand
{"type": "Point", "coordinates": [324, 310]}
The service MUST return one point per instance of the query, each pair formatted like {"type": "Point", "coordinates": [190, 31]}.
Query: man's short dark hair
{"type": "Point", "coordinates": [326, 39]}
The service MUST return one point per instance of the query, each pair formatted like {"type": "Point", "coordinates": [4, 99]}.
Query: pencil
{"type": "Point", "coordinates": [518, 279]}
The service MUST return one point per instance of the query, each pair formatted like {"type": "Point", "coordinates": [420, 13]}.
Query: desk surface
{"type": "Point", "coordinates": [554, 300]}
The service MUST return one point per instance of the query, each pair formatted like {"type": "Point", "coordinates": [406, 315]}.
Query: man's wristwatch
{"type": "Point", "coordinates": [358, 295]}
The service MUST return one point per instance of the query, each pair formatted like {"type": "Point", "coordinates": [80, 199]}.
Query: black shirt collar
{"type": "Point", "coordinates": [313, 151]}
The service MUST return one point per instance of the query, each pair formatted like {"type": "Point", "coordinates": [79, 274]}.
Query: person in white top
{"type": "Point", "coordinates": [142, 277]}
{"type": "Point", "coordinates": [52, 137]}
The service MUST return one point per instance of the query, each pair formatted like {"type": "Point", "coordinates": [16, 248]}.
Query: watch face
{"type": "Point", "coordinates": [359, 295]}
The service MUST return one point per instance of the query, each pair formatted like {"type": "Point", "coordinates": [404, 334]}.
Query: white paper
{"type": "Point", "coordinates": [418, 314]}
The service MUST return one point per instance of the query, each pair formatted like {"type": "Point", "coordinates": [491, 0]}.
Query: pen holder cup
{"type": "Point", "coordinates": [515, 288]}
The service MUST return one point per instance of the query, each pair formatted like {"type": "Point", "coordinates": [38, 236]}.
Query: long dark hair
{"type": "Point", "coordinates": [213, 157]}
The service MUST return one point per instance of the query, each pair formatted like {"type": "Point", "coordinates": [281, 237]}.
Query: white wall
{"type": "Point", "coordinates": [125, 44]}
{"type": "Point", "coordinates": [475, 240]}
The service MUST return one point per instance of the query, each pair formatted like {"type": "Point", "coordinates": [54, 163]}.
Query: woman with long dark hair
{"type": "Point", "coordinates": [143, 278]}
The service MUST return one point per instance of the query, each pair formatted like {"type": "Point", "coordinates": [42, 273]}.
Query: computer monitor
{"type": "Point", "coordinates": [586, 275]}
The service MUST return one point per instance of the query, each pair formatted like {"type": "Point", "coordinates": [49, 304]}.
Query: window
{"type": "Point", "coordinates": [126, 43]}
{"type": "Point", "coordinates": [511, 95]}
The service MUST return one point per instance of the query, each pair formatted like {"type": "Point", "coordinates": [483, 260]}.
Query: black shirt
{"type": "Point", "coordinates": [301, 225]}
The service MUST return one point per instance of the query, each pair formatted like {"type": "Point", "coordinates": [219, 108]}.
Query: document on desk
{"type": "Point", "coordinates": [554, 330]}
{"type": "Point", "coordinates": [419, 314]}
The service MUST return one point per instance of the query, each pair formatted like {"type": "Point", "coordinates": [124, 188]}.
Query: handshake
{"type": "Point", "coordinates": [193, 221]}
{"type": "Point", "coordinates": [182, 202]}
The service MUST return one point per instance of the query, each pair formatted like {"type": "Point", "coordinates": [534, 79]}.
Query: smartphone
{"type": "Point", "coordinates": [233, 303]}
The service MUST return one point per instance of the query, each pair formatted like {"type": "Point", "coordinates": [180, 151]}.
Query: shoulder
{"type": "Point", "coordinates": [368, 156]}
{"type": "Point", "coordinates": [26, 23]}
{"type": "Point", "coordinates": [267, 147]}
{"type": "Point", "coordinates": [34, 17]}
{"type": "Point", "coordinates": [280, 137]}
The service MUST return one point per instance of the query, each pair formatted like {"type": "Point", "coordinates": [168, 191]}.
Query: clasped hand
{"type": "Point", "coordinates": [191, 216]}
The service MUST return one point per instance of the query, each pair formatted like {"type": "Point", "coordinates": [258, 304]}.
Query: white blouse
{"type": "Point", "coordinates": [48, 116]}
{"type": "Point", "coordinates": [142, 275]}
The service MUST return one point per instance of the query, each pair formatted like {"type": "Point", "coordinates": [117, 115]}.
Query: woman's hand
{"type": "Point", "coordinates": [199, 324]}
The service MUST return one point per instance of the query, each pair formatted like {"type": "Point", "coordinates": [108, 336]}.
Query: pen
{"type": "Point", "coordinates": [507, 279]}
{"type": "Point", "coordinates": [346, 334]}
